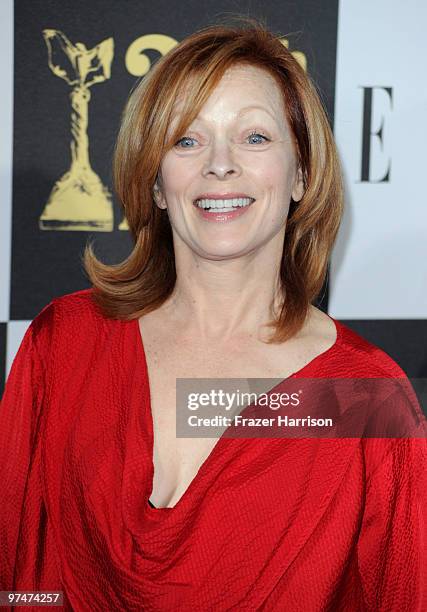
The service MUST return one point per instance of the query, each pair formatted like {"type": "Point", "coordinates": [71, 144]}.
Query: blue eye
{"type": "Point", "coordinates": [184, 138]}
{"type": "Point", "coordinates": [258, 134]}
{"type": "Point", "coordinates": [189, 138]}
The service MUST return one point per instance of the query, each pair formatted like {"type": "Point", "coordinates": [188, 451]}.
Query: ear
{"type": "Point", "coordinates": [158, 196]}
{"type": "Point", "coordinates": [298, 189]}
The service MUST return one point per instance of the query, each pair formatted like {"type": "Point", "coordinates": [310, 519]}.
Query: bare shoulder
{"type": "Point", "coordinates": [320, 327]}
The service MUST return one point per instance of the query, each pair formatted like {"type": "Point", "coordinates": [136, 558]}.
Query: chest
{"type": "Point", "coordinates": [177, 460]}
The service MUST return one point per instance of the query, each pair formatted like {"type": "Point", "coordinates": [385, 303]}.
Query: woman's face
{"type": "Point", "coordinates": [240, 144]}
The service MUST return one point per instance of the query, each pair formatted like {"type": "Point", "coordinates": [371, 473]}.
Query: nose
{"type": "Point", "coordinates": [221, 162]}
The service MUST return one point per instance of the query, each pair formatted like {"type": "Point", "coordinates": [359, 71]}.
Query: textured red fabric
{"type": "Point", "coordinates": [267, 524]}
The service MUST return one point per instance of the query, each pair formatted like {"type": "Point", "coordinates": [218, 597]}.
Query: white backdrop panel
{"type": "Point", "coordinates": [379, 264]}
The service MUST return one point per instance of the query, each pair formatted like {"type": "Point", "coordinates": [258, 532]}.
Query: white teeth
{"type": "Point", "coordinates": [220, 210]}
{"type": "Point", "coordinates": [228, 203]}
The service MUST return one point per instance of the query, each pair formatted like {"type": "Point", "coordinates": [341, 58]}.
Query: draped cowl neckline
{"type": "Point", "coordinates": [147, 424]}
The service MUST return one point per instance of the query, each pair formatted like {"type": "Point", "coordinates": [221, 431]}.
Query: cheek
{"type": "Point", "coordinates": [177, 176]}
{"type": "Point", "coordinates": [275, 174]}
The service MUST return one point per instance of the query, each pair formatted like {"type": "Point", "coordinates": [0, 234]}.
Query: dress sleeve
{"type": "Point", "coordinates": [27, 551]}
{"type": "Point", "coordinates": [392, 546]}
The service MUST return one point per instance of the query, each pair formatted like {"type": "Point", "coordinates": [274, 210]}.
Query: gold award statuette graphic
{"type": "Point", "coordinates": [79, 200]}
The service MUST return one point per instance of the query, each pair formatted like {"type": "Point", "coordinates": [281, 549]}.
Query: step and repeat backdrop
{"type": "Point", "coordinates": [67, 68]}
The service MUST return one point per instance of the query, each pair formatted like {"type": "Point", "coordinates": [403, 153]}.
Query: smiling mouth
{"type": "Point", "coordinates": [224, 204]}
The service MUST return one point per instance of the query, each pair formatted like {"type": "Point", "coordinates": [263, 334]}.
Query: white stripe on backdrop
{"type": "Point", "coordinates": [6, 123]}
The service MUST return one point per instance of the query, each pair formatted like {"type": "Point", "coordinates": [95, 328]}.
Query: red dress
{"type": "Point", "coordinates": [287, 524]}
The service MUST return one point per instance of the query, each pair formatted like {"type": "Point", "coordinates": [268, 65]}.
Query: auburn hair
{"type": "Point", "coordinates": [146, 278]}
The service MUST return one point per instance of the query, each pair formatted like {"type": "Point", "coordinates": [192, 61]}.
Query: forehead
{"type": "Point", "coordinates": [250, 75]}
{"type": "Point", "coordinates": [241, 86]}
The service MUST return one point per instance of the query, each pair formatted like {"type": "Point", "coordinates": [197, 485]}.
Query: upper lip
{"type": "Point", "coordinates": [222, 196]}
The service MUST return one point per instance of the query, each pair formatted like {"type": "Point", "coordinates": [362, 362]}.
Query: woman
{"type": "Point", "coordinates": [227, 119]}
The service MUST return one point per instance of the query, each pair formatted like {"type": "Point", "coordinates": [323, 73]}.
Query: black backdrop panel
{"type": "Point", "coordinates": [404, 340]}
